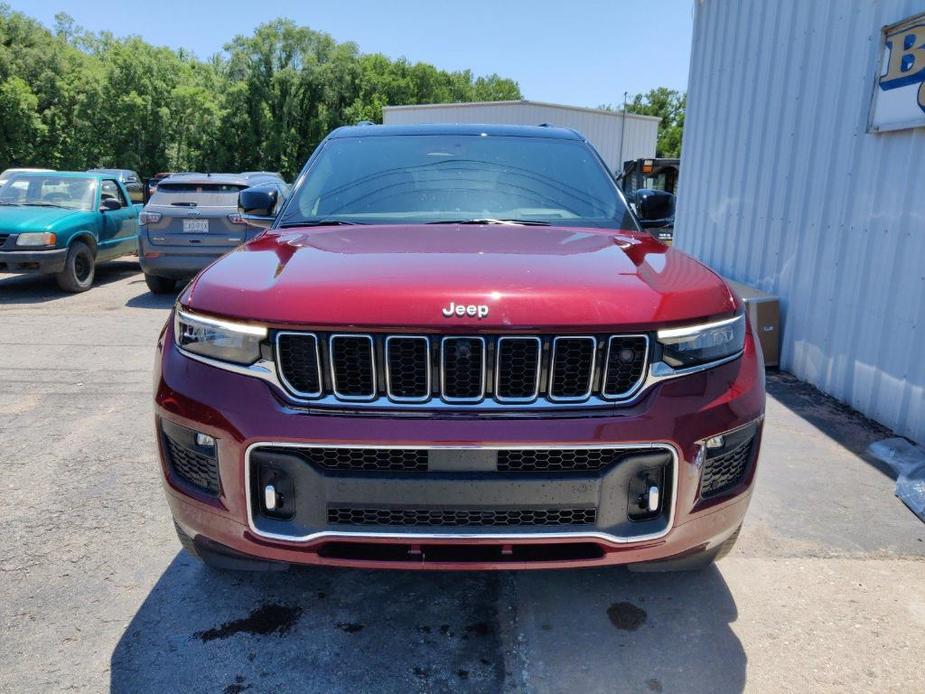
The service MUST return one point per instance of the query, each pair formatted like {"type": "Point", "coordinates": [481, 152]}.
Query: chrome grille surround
{"type": "Point", "coordinates": [388, 370]}
{"type": "Point", "coordinates": [490, 373]}
{"type": "Point", "coordinates": [443, 379]}
{"type": "Point", "coordinates": [539, 368]}
{"type": "Point", "coordinates": [579, 396]}
{"type": "Point", "coordinates": [332, 357]}
{"type": "Point", "coordinates": [282, 376]}
{"type": "Point", "coordinates": [642, 372]}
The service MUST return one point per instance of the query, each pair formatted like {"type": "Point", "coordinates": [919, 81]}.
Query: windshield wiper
{"type": "Point", "coordinates": [44, 204]}
{"type": "Point", "coordinates": [489, 220]}
{"type": "Point", "coordinates": [8, 202]}
{"type": "Point", "coordinates": [319, 223]}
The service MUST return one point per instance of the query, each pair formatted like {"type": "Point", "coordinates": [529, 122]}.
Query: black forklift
{"type": "Point", "coordinates": [647, 181]}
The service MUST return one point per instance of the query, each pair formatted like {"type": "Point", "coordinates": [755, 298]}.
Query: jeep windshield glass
{"type": "Point", "coordinates": [420, 179]}
{"type": "Point", "coordinates": [49, 190]}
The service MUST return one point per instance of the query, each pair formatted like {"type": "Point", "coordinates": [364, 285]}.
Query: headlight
{"type": "Point", "coordinates": [218, 339]}
{"type": "Point", "coordinates": [702, 344]}
{"type": "Point", "coordinates": [33, 239]}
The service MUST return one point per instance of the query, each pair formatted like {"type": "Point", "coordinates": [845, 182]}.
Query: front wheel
{"type": "Point", "coordinates": [160, 285]}
{"type": "Point", "coordinates": [79, 269]}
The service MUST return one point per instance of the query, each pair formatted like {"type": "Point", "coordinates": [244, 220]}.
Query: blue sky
{"type": "Point", "coordinates": [583, 52]}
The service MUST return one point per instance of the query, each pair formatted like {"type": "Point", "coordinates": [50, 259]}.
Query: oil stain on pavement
{"type": "Point", "coordinates": [626, 616]}
{"type": "Point", "coordinates": [266, 619]}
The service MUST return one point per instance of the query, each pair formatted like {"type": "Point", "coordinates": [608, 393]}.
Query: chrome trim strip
{"type": "Point", "coordinates": [536, 380]}
{"type": "Point", "coordinates": [552, 369]}
{"type": "Point", "coordinates": [689, 330]}
{"type": "Point", "coordinates": [642, 374]}
{"type": "Point", "coordinates": [266, 370]}
{"type": "Point", "coordinates": [578, 536]}
{"type": "Point", "coordinates": [388, 370]}
{"type": "Point", "coordinates": [282, 373]}
{"type": "Point", "coordinates": [443, 395]}
{"type": "Point", "coordinates": [372, 357]}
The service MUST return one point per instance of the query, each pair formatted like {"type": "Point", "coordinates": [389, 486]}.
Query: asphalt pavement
{"type": "Point", "coordinates": [825, 590]}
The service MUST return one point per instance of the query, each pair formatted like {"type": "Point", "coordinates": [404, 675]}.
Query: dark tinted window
{"type": "Point", "coordinates": [200, 194]}
{"type": "Point", "coordinates": [426, 178]}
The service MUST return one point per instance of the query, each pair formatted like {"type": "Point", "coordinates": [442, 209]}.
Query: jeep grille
{"type": "Point", "coordinates": [461, 371]}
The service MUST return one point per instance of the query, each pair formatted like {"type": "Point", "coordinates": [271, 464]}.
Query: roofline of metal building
{"type": "Point", "coordinates": [523, 102]}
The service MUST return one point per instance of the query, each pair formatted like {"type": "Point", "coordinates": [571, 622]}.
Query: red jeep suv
{"type": "Point", "coordinates": [453, 347]}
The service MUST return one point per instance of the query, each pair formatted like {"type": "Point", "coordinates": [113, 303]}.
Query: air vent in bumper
{"type": "Point", "coordinates": [453, 518]}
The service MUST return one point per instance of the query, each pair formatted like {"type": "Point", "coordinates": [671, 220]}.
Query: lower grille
{"type": "Point", "coordinates": [727, 470]}
{"type": "Point", "coordinates": [565, 460]}
{"type": "Point", "coordinates": [193, 467]}
{"type": "Point", "coordinates": [366, 459]}
{"type": "Point", "coordinates": [460, 517]}
{"type": "Point", "coordinates": [417, 459]}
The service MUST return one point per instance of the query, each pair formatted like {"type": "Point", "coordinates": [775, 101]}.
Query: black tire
{"type": "Point", "coordinates": [160, 285]}
{"type": "Point", "coordinates": [79, 269]}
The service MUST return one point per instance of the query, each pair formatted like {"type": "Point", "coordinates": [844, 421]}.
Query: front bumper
{"type": "Point", "coordinates": [244, 415]}
{"type": "Point", "coordinates": [46, 261]}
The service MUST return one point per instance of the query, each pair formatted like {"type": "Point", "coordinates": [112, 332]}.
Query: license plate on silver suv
{"type": "Point", "coordinates": [196, 225]}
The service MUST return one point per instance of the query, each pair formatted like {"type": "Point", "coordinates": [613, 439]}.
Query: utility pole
{"type": "Point", "coordinates": [619, 171]}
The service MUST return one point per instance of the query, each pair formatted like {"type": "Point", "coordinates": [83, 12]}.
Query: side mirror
{"type": "Point", "coordinates": [110, 205]}
{"type": "Point", "coordinates": [654, 208]}
{"type": "Point", "coordinates": [257, 204]}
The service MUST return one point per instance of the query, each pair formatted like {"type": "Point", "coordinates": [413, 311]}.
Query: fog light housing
{"type": "Point", "coordinates": [204, 440]}
{"type": "Point", "coordinates": [716, 442]}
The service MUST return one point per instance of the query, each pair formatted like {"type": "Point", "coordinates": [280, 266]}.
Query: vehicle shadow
{"type": "Point", "coordinates": [149, 300]}
{"type": "Point", "coordinates": [317, 629]}
{"type": "Point", "coordinates": [39, 289]}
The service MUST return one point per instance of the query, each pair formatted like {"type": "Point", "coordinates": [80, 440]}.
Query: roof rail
{"type": "Point", "coordinates": [364, 122]}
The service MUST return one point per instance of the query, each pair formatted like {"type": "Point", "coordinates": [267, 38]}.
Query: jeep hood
{"type": "Point", "coordinates": [402, 276]}
{"type": "Point", "coordinates": [16, 219]}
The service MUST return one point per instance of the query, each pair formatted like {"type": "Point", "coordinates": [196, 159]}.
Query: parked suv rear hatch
{"type": "Point", "coordinates": [196, 214]}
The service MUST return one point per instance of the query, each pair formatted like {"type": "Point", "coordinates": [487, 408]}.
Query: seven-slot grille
{"type": "Point", "coordinates": [465, 370]}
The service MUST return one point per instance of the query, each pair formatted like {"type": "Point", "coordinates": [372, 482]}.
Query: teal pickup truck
{"type": "Point", "coordinates": [64, 223]}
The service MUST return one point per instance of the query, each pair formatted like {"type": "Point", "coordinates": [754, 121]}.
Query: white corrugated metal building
{"type": "Point", "coordinates": [618, 138]}
{"type": "Point", "coordinates": [803, 174]}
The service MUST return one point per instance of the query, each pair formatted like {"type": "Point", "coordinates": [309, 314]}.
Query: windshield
{"type": "Point", "coordinates": [416, 179]}
{"type": "Point", "coordinates": [49, 191]}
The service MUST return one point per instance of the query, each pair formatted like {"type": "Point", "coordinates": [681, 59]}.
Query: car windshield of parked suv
{"type": "Point", "coordinates": [417, 179]}
{"type": "Point", "coordinates": [33, 190]}
{"type": "Point", "coordinates": [197, 194]}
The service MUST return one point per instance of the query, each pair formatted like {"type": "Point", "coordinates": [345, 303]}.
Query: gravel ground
{"type": "Point", "coordinates": [825, 590]}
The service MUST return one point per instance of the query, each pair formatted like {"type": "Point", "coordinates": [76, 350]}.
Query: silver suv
{"type": "Point", "coordinates": [191, 220]}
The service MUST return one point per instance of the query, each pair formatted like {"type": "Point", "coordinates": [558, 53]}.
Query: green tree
{"type": "Point", "coordinates": [669, 105]}
{"type": "Point", "coordinates": [20, 125]}
{"type": "Point", "coordinates": [73, 99]}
